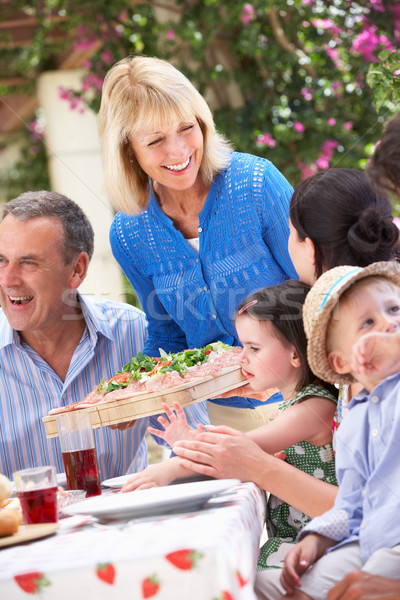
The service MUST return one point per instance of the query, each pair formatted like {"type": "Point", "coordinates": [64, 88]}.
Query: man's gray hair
{"type": "Point", "coordinates": [78, 232]}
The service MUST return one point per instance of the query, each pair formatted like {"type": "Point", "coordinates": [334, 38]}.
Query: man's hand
{"type": "Point", "coordinates": [123, 426]}
{"type": "Point", "coordinates": [360, 585]}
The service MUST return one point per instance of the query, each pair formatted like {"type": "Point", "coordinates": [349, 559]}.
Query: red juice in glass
{"type": "Point", "coordinates": [82, 471]}
{"type": "Point", "coordinates": [39, 505]}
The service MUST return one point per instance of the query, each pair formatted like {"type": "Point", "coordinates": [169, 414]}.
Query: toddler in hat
{"type": "Point", "coordinates": [362, 530]}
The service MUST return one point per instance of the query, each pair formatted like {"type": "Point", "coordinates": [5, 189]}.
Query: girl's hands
{"type": "Point", "coordinates": [175, 426]}
{"type": "Point", "coordinates": [155, 475]}
{"type": "Point", "coordinates": [222, 452]}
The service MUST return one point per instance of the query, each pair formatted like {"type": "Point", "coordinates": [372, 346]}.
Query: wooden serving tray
{"type": "Point", "coordinates": [145, 405]}
{"type": "Point", "coordinates": [27, 533]}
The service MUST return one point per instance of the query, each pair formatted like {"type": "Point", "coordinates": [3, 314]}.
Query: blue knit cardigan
{"type": "Point", "coordinates": [190, 299]}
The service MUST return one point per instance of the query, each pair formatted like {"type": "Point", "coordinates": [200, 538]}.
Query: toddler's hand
{"type": "Point", "coordinates": [296, 563]}
{"type": "Point", "coordinates": [376, 354]}
{"type": "Point", "coordinates": [175, 426]}
{"type": "Point", "coordinates": [155, 475]}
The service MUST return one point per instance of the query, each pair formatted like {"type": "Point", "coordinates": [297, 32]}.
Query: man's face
{"type": "Point", "coordinates": [33, 276]}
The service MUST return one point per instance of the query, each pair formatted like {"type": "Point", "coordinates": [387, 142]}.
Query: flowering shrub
{"type": "Point", "coordinates": [286, 79]}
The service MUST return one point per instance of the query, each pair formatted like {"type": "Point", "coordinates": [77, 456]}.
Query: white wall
{"type": "Point", "coordinates": [75, 170]}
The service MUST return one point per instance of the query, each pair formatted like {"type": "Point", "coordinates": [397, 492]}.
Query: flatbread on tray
{"type": "Point", "coordinates": [142, 385]}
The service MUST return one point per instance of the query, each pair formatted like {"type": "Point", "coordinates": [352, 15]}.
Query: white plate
{"type": "Point", "coordinates": [116, 482]}
{"type": "Point", "coordinates": [154, 501]}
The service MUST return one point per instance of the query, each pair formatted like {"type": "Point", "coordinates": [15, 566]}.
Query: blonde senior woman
{"type": "Point", "coordinates": [199, 226]}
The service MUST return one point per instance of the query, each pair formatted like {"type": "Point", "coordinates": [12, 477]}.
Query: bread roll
{"type": "Point", "coordinates": [10, 520]}
{"type": "Point", "coordinates": [5, 488]}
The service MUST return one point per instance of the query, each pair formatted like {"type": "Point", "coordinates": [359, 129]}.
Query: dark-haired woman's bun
{"type": "Point", "coordinates": [373, 232]}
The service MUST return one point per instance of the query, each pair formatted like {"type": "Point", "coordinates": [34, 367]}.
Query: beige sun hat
{"type": "Point", "coordinates": [319, 304]}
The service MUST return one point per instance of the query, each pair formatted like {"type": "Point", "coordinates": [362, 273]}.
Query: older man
{"type": "Point", "coordinates": [56, 344]}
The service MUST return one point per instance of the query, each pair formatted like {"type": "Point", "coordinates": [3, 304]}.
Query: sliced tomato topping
{"type": "Point", "coordinates": [158, 367]}
{"type": "Point", "coordinates": [120, 378]}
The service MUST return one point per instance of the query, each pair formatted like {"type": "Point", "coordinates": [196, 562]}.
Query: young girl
{"type": "Point", "coordinates": [269, 326]}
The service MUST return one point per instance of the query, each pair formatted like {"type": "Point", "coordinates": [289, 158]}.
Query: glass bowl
{"type": "Point", "coordinates": [67, 497]}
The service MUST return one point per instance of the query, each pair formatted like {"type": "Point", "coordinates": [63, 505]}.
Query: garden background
{"type": "Point", "coordinates": [307, 84]}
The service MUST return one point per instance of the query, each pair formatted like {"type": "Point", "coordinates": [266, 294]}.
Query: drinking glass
{"type": "Point", "coordinates": [37, 492]}
{"type": "Point", "coordinates": [79, 452]}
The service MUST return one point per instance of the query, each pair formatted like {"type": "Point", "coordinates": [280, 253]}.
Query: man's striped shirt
{"type": "Point", "coordinates": [29, 388]}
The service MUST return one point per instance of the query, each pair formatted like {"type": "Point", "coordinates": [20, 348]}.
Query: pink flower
{"type": "Point", "coordinates": [75, 102]}
{"type": "Point", "coordinates": [123, 15]}
{"type": "Point", "coordinates": [328, 146]}
{"type": "Point", "coordinates": [348, 126]}
{"type": "Point", "coordinates": [299, 127]}
{"type": "Point", "coordinates": [92, 81]}
{"type": "Point", "coordinates": [377, 5]}
{"type": "Point", "coordinates": [327, 150]}
{"type": "Point", "coordinates": [322, 162]}
{"type": "Point", "coordinates": [396, 221]}
{"type": "Point", "coordinates": [107, 57]}
{"type": "Point", "coordinates": [333, 54]}
{"type": "Point", "coordinates": [396, 11]}
{"type": "Point", "coordinates": [326, 24]}
{"type": "Point", "coordinates": [63, 93]}
{"type": "Point", "coordinates": [87, 44]}
{"type": "Point", "coordinates": [265, 139]}
{"type": "Point", "coordinates": [396, 74]}
{"type": "Point", "coordinates": [306, 170]}
{"type": "Point", "coordinates": [331, 122]}
{"type": "Point", "coordinates": [81, 30]}
{"type": "Point", "coordinates": [37, 130]}
{"type": "Point", "coordinates": [170, 34]}
{"type": "Point", "coordinates": [307, 94]}
{"type": "Point", "coordinates": [367, 42]}
{"type": "Point", "coordinates": [247, 14]}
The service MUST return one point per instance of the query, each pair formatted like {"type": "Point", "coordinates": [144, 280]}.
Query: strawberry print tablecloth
{"type": "Point", "coordinates": [206, 555]}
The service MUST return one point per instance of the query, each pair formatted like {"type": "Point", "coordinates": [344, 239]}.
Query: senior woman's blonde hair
{"type": "Point", "coordinates": [143, 91]}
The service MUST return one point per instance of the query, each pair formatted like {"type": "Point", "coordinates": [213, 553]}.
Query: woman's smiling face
{"type": "Point", "coordinates": [170, 154]}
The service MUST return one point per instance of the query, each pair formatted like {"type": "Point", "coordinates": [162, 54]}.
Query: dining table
{"type": "Point", "coordinates": [209, 553]}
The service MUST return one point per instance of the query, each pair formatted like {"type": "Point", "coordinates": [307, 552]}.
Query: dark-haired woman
{"type": "Point", "coordinates": [335, 218]}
